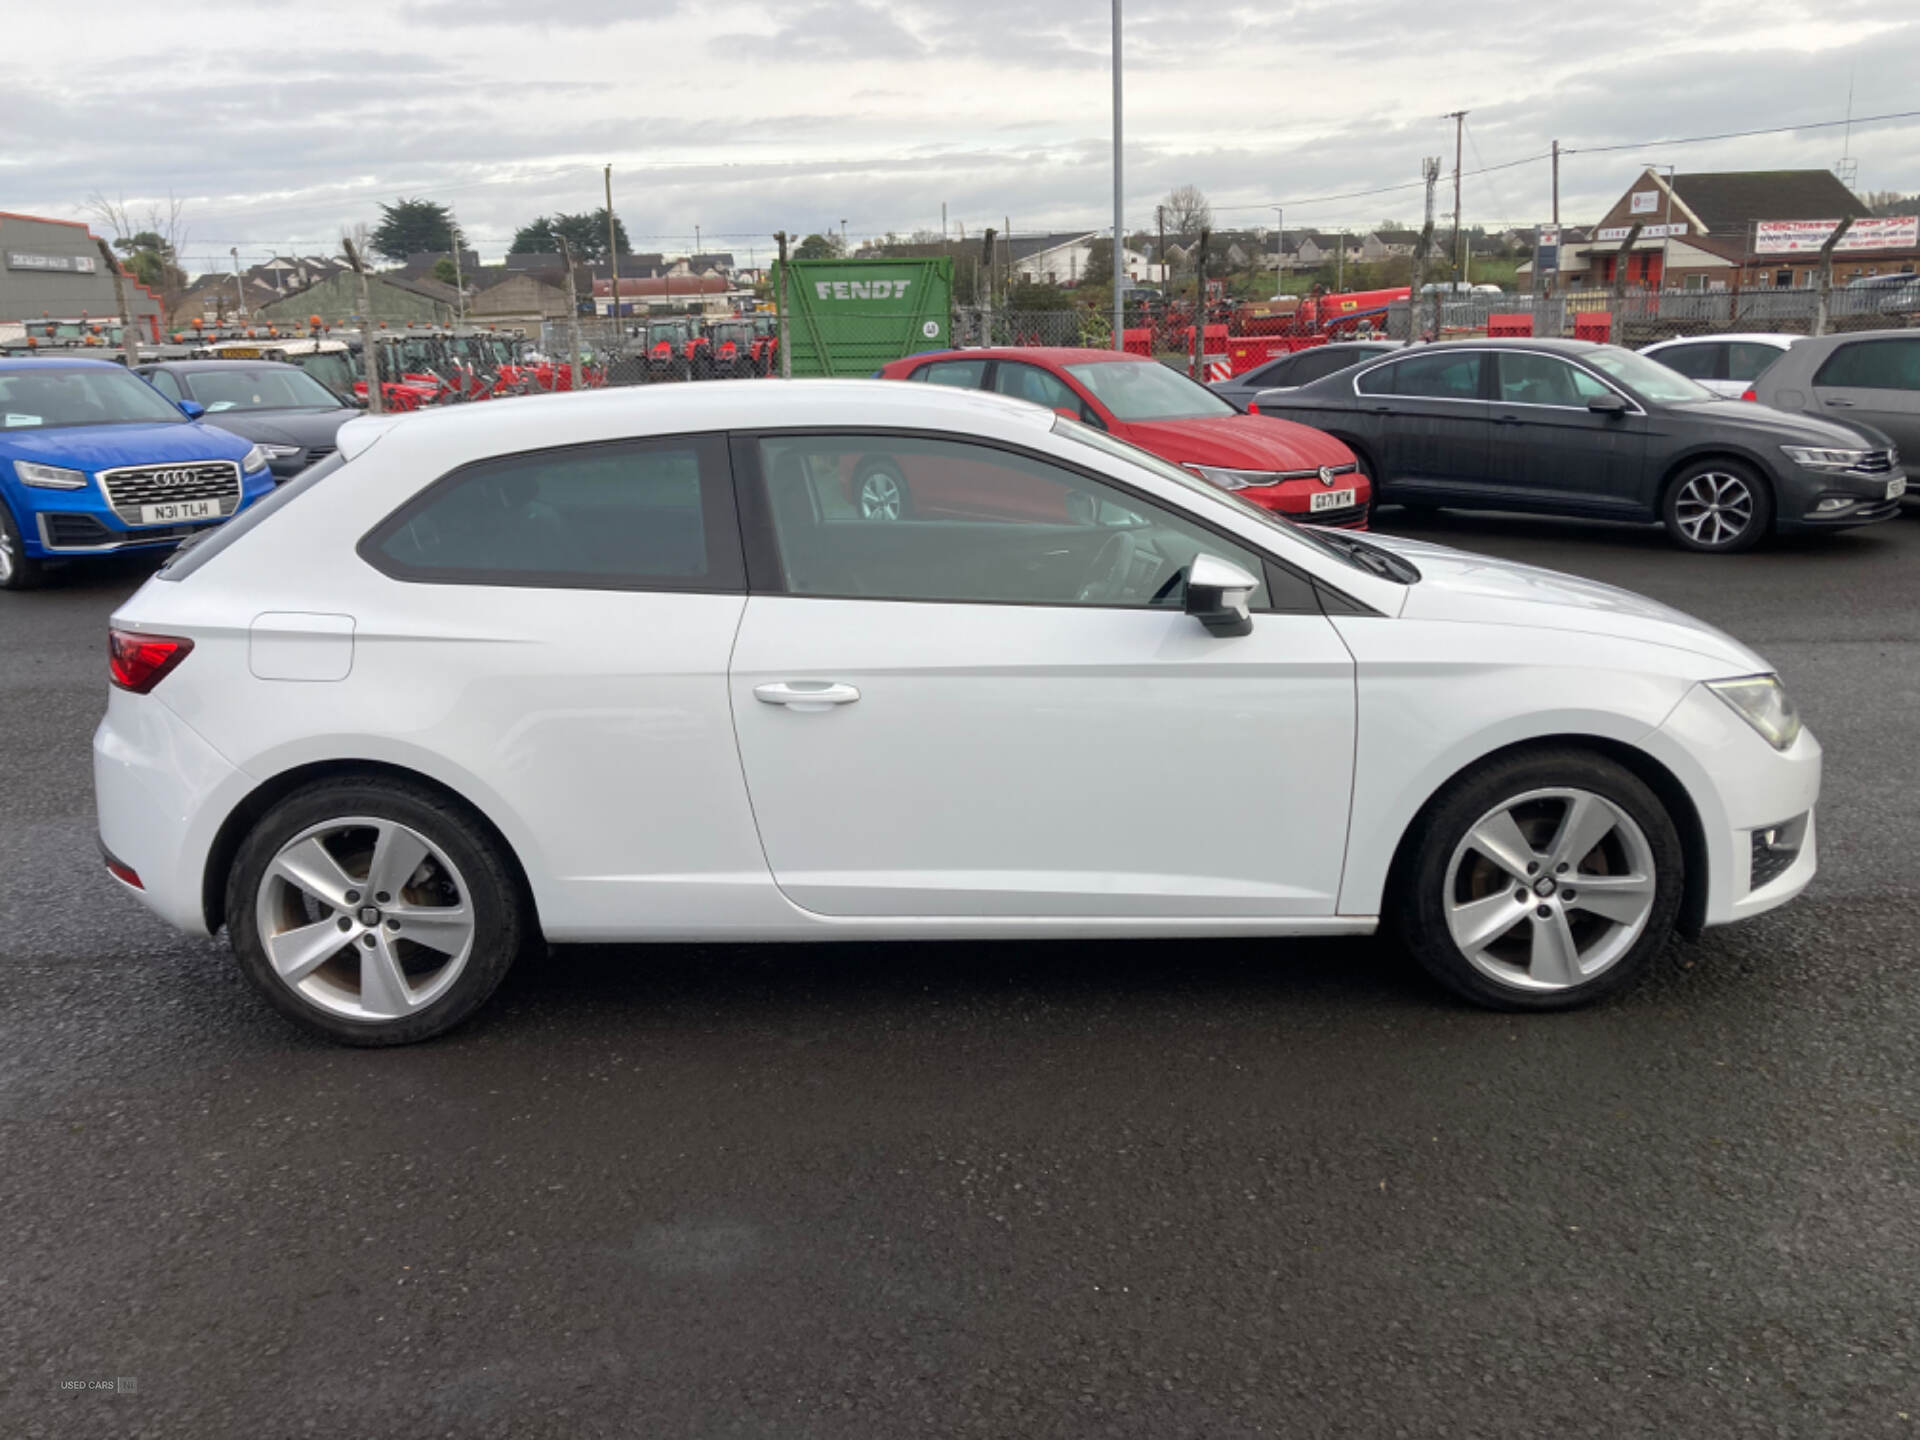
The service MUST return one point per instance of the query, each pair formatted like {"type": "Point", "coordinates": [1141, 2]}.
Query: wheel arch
{"type": "Point", "coordinates": [1666, 786]}
{"type": "Point", "coordinates": [270, 792]}
{"type": "Point", "coordinates": [1715, 450]}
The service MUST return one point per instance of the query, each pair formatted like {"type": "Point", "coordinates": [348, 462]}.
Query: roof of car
{"type": "Point", "coordinates": [188, 366]}
{"type": "Point", "coordinates": [1058, 354]}
{"type": "Point", "coordinates": [1757, 337]}
{"type": "Point", "coordinates": [44, 362]}
{"type": "Point", "coordinates": [1517, 342]}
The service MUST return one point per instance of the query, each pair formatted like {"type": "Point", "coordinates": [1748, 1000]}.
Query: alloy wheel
{"type": "Point", "coordinates": [1714, 508]}
{"type": "Point", "coordinates": [1549, 889]}
{"type": "Point", "coordinates": [6, 556]}
{"type": "Point", "coordinates": [880, 497]}
{"type": "Point", "coordinates": [365, 918]}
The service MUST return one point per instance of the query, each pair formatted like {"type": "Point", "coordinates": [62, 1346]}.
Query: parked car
{"type": "Point", "coordinates": [1283, 372]}
{"type": "Point", "coordinates": [1567, 427]}
{"type": "Point", "coordinates": [841, 728]}
{"type": "Point", "coordinates": [94, 461]}
{"type": "Point", "coordinates": [288, 413]}
{"type": "Point", "coordinates": [1725, 364]}
{"type": "Point", "coordinates": [1281, 466]}
{"type": "Point", "coordinates": [1863, 377]}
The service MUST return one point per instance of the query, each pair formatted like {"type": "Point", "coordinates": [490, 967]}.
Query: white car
{"type": "Point", "coordinates": [630, 666]}
{"type": "Point", "coordinates": [1726, 364]}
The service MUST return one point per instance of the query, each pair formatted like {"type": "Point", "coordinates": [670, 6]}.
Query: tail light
{"type": "Point", "coordinates": [139, 662]}
{"type": "Point", "coordinates": [1253, 407]}
{"type": "Point", "coordinates": [1750, 394]}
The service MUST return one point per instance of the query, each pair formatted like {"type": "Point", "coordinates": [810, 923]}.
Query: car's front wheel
{"type": "Point", "coordinates": [374, 913]}
{"type": "Point", "coordinates": [18, 570]}
{"type": "Point", "coordinates": [1719, 506]}
{"type": "Point", "coordinates": [1541, 881]}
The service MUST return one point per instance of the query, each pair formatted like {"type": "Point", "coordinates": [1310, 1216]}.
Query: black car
{"type": "Point", "coordinates": [1566, 427]}
{"type": "Point", "coordinates": [1284, 372]}
{"type": "Point", "coordinates": [288, 413]}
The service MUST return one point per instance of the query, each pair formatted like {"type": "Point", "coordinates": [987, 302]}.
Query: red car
{"type": "Point", "coordinates": [1281, 466]}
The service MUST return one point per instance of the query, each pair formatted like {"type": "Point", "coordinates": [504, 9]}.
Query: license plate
{"type": "Point", "coordinates": [1896, 487]}
{"type": "Point", "coordinates": [174, 511]}
{"type": "Point", "coordinates": [1330, 500]}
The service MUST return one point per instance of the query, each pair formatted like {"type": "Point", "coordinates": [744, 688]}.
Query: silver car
{"type": "Point", "coordinates": [1866, 378]}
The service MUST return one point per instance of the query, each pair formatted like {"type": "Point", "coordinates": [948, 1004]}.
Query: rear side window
{"type": "Point", "coordinates": [1696, 362]}
{"type": "Point", "coordinates": [629, 515]}
{"type": "Point", "coordinates": [1873, 365]}
{"type": "Point", "coordinates": [1745, 359]}
{"type": "Point", "coordinates": [1318, 364]}
{"type": "Point", "coordinates": [1445, 375]}
{"type": "Point", "coordinates": [964, 374]}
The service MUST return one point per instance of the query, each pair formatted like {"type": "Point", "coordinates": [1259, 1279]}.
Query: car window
{"type": "Point", "coordinates": [1141, 390]}
{"type": "Point", "coordinates": [1030, 382]}
{"type": "Point", "coordinates": [251, 387]}
{"type": "Point", "coordinates": [1318, 364]}
{"type": "Point", "coordinates": [1645, 376]}
{"type": "Point", "coordinates": [964, 374]}
{"type": "Point", "coordinates": [888, 517]}
{"type": "Point", "coordinates": [51, 395]}
{"type": "Point", "coordinates": [1273, 373]}
{"type": "Point", "coordinates": [1529, 379]}
{"type": "Point", "coordinates": [653, 514]}
{"type": "Point", "coordinates": [164, 382]}
{"type": "Point", "coordinates": [1706, 361]}
{"type": "Point", "coordinates": [1747, 358]}
{"type": "Point", "coordinates": [1438, 375]}
{"type": "Point", "coordinates": [1873, 365]}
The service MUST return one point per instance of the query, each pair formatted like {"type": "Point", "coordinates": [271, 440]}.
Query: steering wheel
{"type": "Point", "coordinates": [1112, 566]}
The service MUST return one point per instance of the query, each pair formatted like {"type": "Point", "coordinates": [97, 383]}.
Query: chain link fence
{"type": "Point", "coordinates": [1640, 317]}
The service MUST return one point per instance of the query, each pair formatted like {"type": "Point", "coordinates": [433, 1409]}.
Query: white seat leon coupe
{"type": "Point", "coordinates": [634, 665]}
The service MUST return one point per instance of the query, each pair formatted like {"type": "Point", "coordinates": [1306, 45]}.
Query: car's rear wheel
{"type": "Point", "coordinates": [1540, 882]}
{"type": "Point", "coordinates": [18, 570]}
{"type": "Point", "coordinates": [374, 913]}
{"type": "Point", "coordinates": [1718, 506]}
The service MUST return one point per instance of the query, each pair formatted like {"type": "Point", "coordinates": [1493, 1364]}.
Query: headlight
{"type": "Point", "coordinates": [279, 452]}
{"type": "Point", "coordinates": [1762, 702]}
{"type": "Point", "coordinates": [1233, 479]}
{"type": "Point", "coordinates": [49, 477]}
{"type": "Point", "coordinates": [256, 459]}
{"type": "Point", "coordinates": [1816, 459]}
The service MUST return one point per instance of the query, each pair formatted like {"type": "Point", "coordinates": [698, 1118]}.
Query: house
{"type": "Point", "coordinates": [390, 297]}
{"type": "Point", "coordinates": [1381, 245]}
{"type": "Point", "coordinates": [522, 297]}
{"type": "Point", "coordinates": [1735, 230]}
{"type": "Point", "coordinates": [1061, 259]}
{"type": "Point", "coordinates": [668, 293]}
{"type": "Point", "coordinates": [718, 262]}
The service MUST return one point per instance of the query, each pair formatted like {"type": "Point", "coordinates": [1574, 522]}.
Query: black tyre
{"type": "Point", "coordinates": [1717, 506]}
{"type": "Point", "coordinates": [374, 912]}
{"type": "Point", "coordinates": [1542, 881]}
{"type": "Point", "coordinates": [18, 570]}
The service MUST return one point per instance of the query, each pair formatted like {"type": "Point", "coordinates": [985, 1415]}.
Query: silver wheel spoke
{"type": "Point", "coordinates": [396, 855]}
{"type": "Point", "coordinates": [443, 928]}
{"type": "Point", "coordinates": [309, 866]}
{"type": "Point", "coordinates": [296, 954]}
{"type": "Point", "coordinates": [1622, 899]}
{"type": "Point", "coordinates": [1478, 923]}
{"type": "Point", "coordinates": [1588, 821]}
{"type": "Point", "coordinates": [1499, 839]}
{"type": "Point", "coordinates": [1555, 959]}
{"type": "Point", "coordinates": [383, 988]}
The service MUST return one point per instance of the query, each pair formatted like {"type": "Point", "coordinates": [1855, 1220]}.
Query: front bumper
{"type": "Point", "coordinates": [55, 523]}
{"type": "Point", "coordinates": [1804, 491]}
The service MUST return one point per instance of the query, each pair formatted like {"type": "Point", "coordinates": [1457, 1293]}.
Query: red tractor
{"type": "Point", "coordinates": [672, 350]}
{"type": "Point", "coordinates": [731, 344]}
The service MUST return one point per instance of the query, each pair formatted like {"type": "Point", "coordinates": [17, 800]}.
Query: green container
{"type": "Point", "coordinates": [850, 317]}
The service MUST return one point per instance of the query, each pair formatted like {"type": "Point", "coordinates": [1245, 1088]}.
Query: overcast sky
{"type": "Point", "coordinates": [279, 122]}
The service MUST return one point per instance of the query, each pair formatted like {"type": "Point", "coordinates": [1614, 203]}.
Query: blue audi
{"type": "Point", "coordinates": [94, 461]}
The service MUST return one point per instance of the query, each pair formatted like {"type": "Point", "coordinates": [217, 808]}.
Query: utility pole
{"type": "Point", "coordinates": [1556, 184]}
{"type": "Point", "coordinates": [780, 308]}
{"type": "Point", "coordinates": [127, 341]}
{"type": "Point", "coordinates": [1279, 247]}
{"type": "Point", "coordinates": [573, 317]}
{"type": "Point", "coordinates": [943, 222]}
{"type": "Point", "coordinates": [613, 256]}
{"type": "Point", "coordinates": [369, 355]}
{"type": "Point", "coordinates": [986, 323]}
{"type": "Point", "coordinates": [239, 292]}
{"type": "Point", "coordinates": [1430, 173]}
{"type": "Point", "coordinates": [1199, 372]}
{"type": "Point", "coordinates": [459, 283]}
{"type": "Point", "coordinates": [1459, 118]}
{"type": "Point", "coordinates": [1166, 270]}
{"type": "Point", "coordinates": [1826, 274]}
{"type": "Point", "coordinates": [1340, 266]}
{"type": "Point", "coordinates": [843, 238]}
{"type": "Point", "coordinates": [1119, 194]}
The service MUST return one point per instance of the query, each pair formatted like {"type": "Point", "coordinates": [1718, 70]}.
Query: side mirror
{"type": "Point", "coordinates": [1607, 404]}
{"type": "Point", "coordinates": [1217, 595]}
{"type": "Point", "coordinates": [192, 409]}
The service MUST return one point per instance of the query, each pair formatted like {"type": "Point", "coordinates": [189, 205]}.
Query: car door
{"type": "Point", "coordinates": [949, 718]}
{"type": "Point", "coordinates": [1876, 382]}
{"type": "Point", "coordinates": [1549, 451]}
{"type": "Point", "coordinates": [1430, 422]}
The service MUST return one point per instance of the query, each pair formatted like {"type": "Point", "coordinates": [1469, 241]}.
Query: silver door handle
{"type": "Point", "coordinates": [806, 695]}
{"type": "Point", "coordinates": [1842, 404]}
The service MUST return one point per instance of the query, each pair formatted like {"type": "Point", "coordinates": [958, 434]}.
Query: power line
{"type": "Point", "coordinates": [1742, 134]}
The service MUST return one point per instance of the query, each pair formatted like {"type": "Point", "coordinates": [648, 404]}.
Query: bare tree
{"type": "Point", "coordinates": [1188, 212]}
{"type": "Point", "coordinates": [149, 241]}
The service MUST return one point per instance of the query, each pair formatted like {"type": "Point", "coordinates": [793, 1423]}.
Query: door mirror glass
{"type": "Point", "coordinates": [1218, 595]}
{"type": "Point", "coordinates": [1607, 404]}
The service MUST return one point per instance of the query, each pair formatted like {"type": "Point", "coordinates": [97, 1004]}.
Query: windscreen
{"type": "Point", "coordinates": [43, 399]}
{"type": "Point", "coordinates": [1141, 390]}
{"type": "Point", "coordinates": [1648, 379]}
{"type": "Point", "coordinates": [247, 387]}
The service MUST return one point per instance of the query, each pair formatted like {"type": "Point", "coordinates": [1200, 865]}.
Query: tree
{"type": "Point", "coordinates": [412, 227]}
{"type": "Point", "coordinates": [1099, 269]}
{"type": "Point", "coordinates": [586, 236]}
{"type": "Point", "coordinates": [818, 247]}
{"type": "Point", "coordinates": [445, 271]}
{"type": "Point", "coordinates": [1188, 212]}
{"type": "Point", "coordinates": [150, 242]}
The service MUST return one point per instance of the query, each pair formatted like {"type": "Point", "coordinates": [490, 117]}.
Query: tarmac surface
{"type": "Point", "coordinates": [1146, 1189]}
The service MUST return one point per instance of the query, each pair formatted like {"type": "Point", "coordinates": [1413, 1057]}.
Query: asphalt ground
{"type": "Point", "coordinates": [1146, 1189]}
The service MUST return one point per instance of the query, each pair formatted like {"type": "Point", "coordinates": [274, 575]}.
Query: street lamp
{"type": "Point", "coordinates": [1119, 196]}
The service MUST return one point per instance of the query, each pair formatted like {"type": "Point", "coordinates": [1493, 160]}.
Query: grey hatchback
{"type": "Point", "coordinates": [1867, 377]}
{"type": "Point", "coordinates": [1571, 428]}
